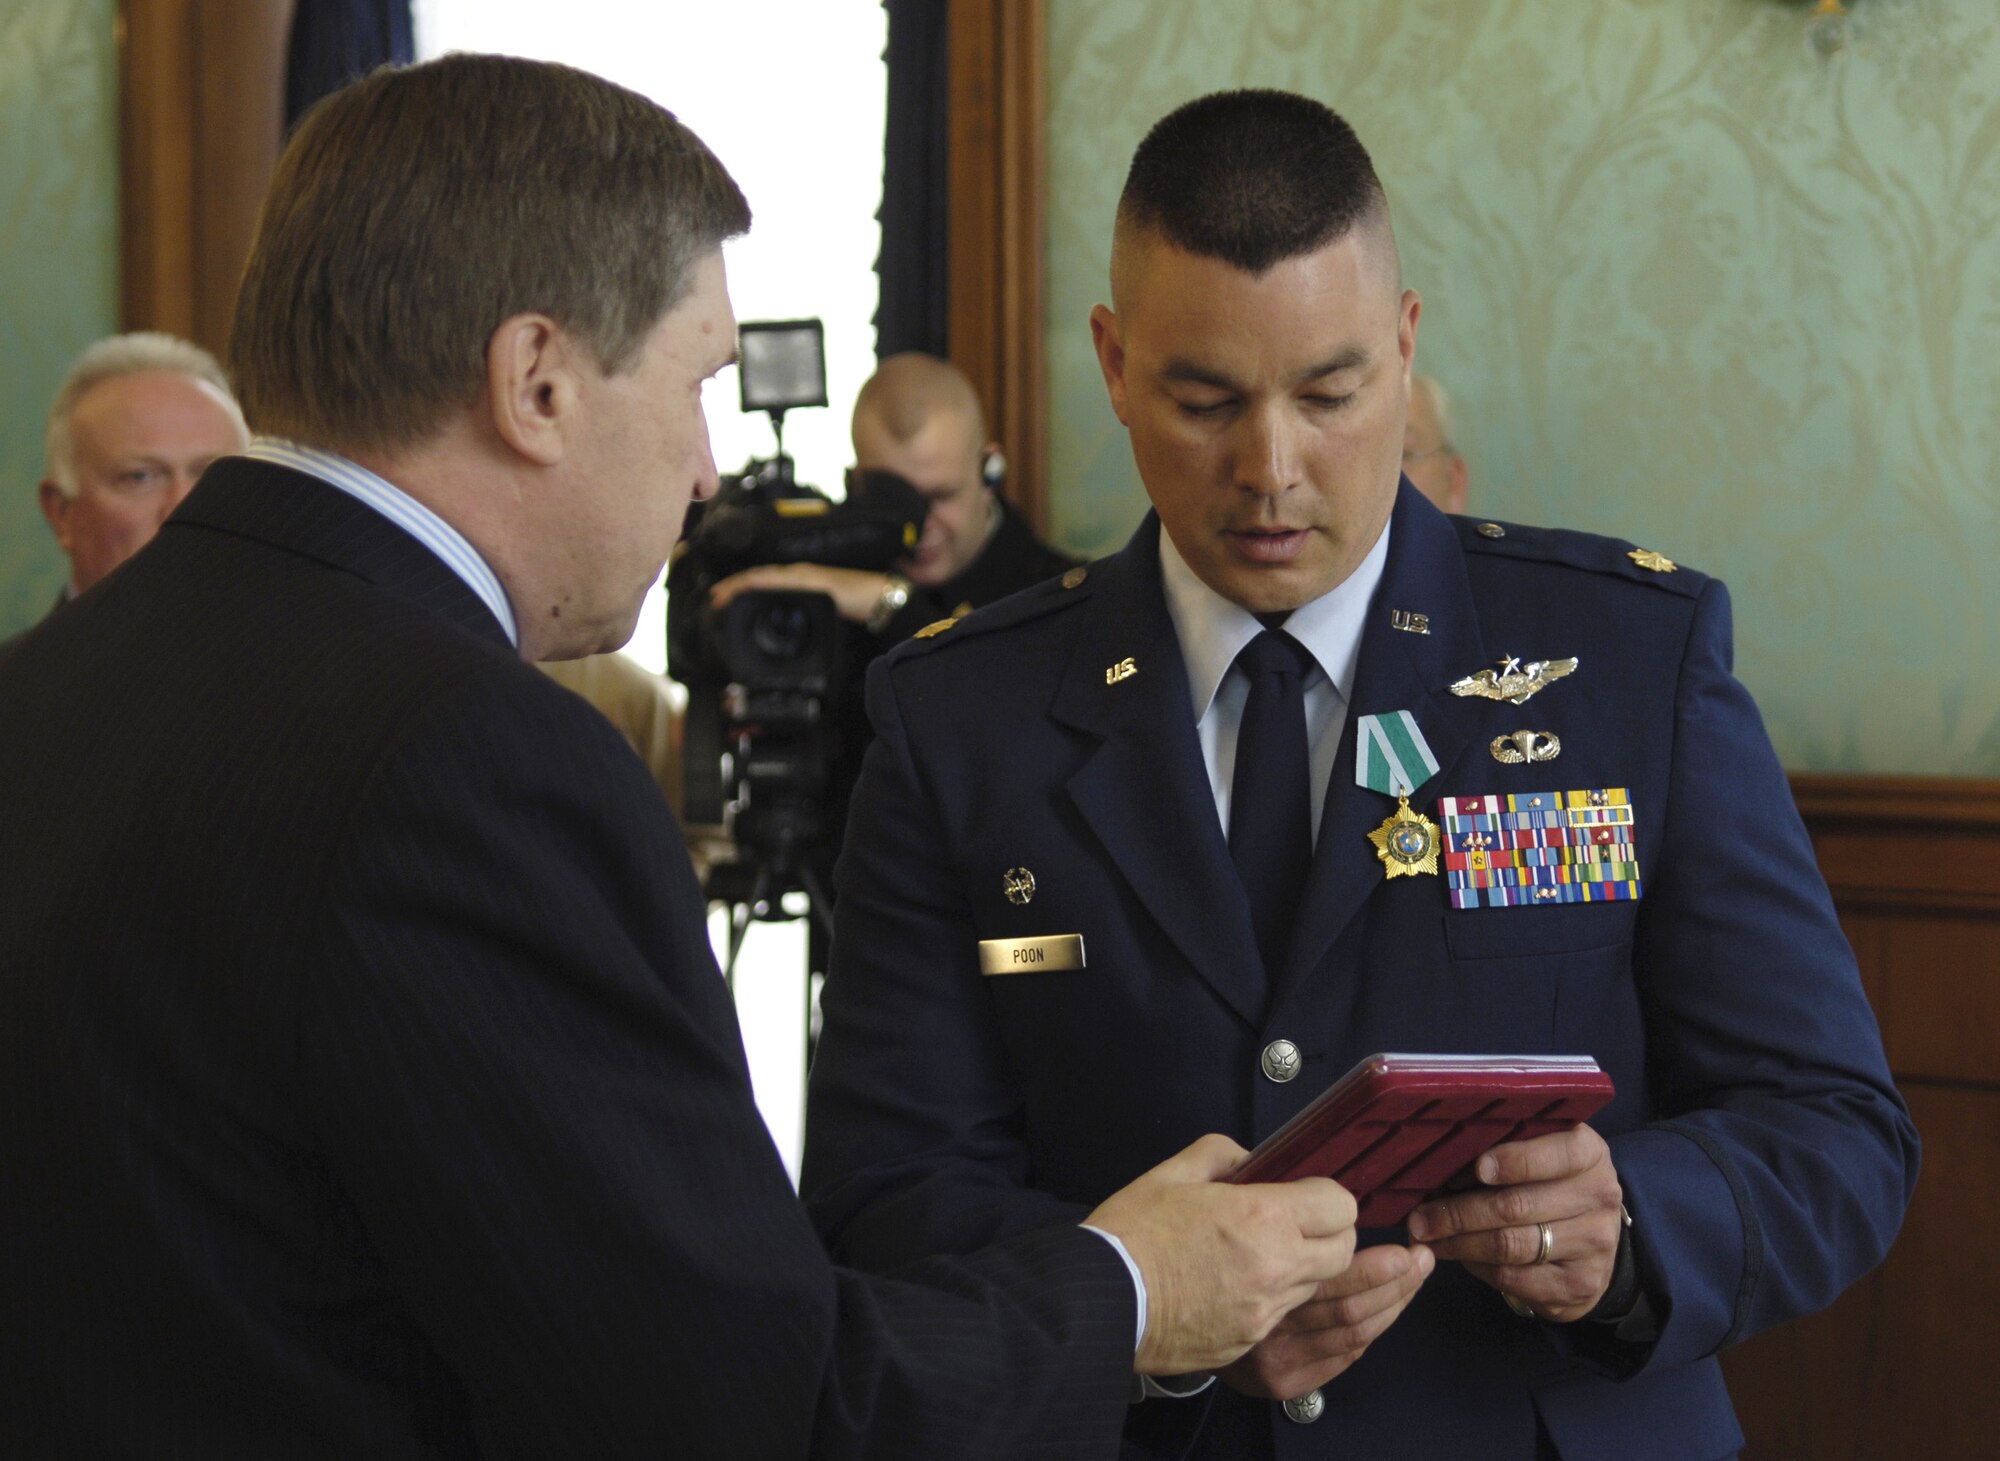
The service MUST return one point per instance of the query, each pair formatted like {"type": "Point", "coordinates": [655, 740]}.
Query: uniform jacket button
{"type": "Point", "coordinates": [1281, 1060]}
{"type": "Point", "coordinates": [1306, 1408]}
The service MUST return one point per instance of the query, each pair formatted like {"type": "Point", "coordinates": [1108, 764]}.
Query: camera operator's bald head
{"type": "Point", "coordinates": [920, 418]}
{"type": "Point", "coordinates": [907, 390]}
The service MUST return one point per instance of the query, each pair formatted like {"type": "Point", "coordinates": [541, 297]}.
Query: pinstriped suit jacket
{"type": "Point", "coordinates": [366, 1084]}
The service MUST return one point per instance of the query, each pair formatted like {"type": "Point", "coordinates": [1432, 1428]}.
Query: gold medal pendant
{"type": "Point", "coordinates": [1407, 843]}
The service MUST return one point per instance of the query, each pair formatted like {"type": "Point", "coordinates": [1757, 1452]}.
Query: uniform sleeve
{"type": "Point", "coordinates": [1783, 1158]}
{"type": "Point", "coordinates": [529, 1086]}
{"type": "Point", "coordinates": [914, 1128]}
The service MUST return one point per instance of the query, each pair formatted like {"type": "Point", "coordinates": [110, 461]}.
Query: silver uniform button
{"type": "Point", "coordinates": [1491, 530]}
{"type": "Point", "coordinates": [1306, 1408]}
{"type": "Point", "coordinates": [1281, 1060]}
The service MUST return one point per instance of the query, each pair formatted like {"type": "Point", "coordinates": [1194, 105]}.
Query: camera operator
{"type": "Point", "coordinates": [919, 417]}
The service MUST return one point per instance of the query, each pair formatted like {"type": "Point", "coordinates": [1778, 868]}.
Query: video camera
{"type": "Point", "coordinates": [759, 747]}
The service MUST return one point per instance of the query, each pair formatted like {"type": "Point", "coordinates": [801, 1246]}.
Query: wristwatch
{"type": "Point", "coordinates": [895, 594]}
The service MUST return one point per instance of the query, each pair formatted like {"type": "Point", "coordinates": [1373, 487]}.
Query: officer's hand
{"type": "Point", "coordinates": [1333, 1329]}
{"type": "Point", "coordinates": [854, 592]}
{"type": "Point", "coordinates": [1223, 1264]}
{"type": "Point", "coordinates": [1564, 1179]}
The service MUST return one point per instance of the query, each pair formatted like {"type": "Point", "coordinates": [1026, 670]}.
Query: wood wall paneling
{"type": "Point", "coordinates": [201, 111]}
{"type": "Point", "coordinates": [1900, 1365]}
{"type": "Point", "coordinates": [997, 172]}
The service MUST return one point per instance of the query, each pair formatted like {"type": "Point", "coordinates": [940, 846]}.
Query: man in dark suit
{"type": "Point", "coordinates": [1193, 784]}
{"type": "Point", "coordinates": [366, 1084]}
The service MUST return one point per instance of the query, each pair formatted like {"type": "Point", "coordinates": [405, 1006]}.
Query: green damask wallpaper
{"type": "Point", "coordinates": [1689, 283]}
{"type": "Point", "coordinates": [58, 253]}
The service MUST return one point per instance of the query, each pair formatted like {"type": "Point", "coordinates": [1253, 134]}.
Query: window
{"type": "Point", "coordinates": [791, 95]}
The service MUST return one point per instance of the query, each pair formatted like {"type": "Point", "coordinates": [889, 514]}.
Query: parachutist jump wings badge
{"type": "Point", "coordinates": [1514, 682]}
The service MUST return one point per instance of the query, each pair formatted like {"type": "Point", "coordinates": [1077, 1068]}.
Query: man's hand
{"type": "Point", "coordinates": [1565, 1180]}
{"type": "Point", "coordinates": [1223, 1264]}
{"type": "Point", "coordinates": [853, 591]}
{"type": "Point", "coordinates": [1333, 1329]}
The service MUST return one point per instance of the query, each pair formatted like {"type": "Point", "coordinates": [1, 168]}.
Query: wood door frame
{"type": "Point", "coordinates": [201, 88]}
{"type": "Point", "coordinates": [998, 184]}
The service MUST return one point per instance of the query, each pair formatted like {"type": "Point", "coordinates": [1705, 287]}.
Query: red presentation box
{"type": "Point", "coordinates": [1397, 1129]}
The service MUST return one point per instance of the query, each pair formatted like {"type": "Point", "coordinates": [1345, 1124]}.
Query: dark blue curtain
{"type": "Point", "coordinates": [335, 41]}
{"type": "Point", "coordinates": [916, 210]}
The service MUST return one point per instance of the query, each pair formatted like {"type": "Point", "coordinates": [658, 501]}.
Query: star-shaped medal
{"type": "Point", "coordinates": [1407, 843]}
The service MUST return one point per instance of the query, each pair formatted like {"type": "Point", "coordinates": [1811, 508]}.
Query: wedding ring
{"type": "Point", "coordinates": [1548, 1243]}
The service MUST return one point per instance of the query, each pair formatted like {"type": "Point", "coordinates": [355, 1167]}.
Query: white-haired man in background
{"type": "Point", "coordinates": [135, 422]}
{"type": "Point", "coordinates": [1430, 461]}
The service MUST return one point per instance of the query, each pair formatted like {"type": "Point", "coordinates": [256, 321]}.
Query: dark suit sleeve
{"type": "Point", "coordinates": [915, 1130]}
{"type": "Point", "coordinates": [1784, 1158]}
{"type": "Point", "coordinates": [527, 1079]}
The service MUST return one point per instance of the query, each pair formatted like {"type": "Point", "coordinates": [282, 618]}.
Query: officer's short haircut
{"type": "Point", "coordinates": [1252, 178]}
{"type": "Point", "coordinates": [418, 209]}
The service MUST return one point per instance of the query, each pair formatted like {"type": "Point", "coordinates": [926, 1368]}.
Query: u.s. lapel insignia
{"type": "Point", "coordinates": [1125, 669]}
{"type": "Point", "coordinates": [1516, 683]}
{"type": "Point", "coordinates": [1657, 562]}
{"type": "Point", "coordinates": [1407, 843]}
{"type": "Point", "coordinates": [1408, 622]}
{"type": "Point", "coordinates": [1020, 886]}
{"type": "Point", "coordinates": [1524, 746]}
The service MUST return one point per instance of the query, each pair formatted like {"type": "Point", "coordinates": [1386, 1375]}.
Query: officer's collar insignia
{"type": "Point", "coordinates": [1125, 669]}
{"type": "Point", "coordinates": [1647, 558]}
{"type": "Point", "coordinates": [1514, 682]}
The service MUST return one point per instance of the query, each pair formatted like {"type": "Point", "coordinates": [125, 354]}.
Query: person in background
{"type": "Point", "coordinates": [920, 418]}
{"type": "Point", "coordinates": [136, 421]}
{"type": "Point", "coordinates": [1430, 460]}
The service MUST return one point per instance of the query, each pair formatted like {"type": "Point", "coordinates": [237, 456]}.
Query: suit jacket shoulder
{"type": "Point", "coordinates": [1607, 557]}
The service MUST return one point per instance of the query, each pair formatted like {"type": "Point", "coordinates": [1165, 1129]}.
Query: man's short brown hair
{"type": "Point", "coordinates": [417, 209]}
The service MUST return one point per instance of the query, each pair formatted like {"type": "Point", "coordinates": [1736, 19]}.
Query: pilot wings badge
{"type": "Point", "coordinates": [1514, 682]}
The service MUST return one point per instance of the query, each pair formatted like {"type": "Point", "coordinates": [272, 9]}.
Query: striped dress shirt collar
{"type": "Point", "coordinates": [404, 511]}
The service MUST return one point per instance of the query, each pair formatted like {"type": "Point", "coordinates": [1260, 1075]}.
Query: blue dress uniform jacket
{"type": "Point", "coordinates": [367, 1086]}
{"type": "Point", "coordinates": [1765, 1156]}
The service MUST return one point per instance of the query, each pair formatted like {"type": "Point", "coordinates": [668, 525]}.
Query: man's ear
{"type": "Point", "coordinates": [55, 507]}
{"type": "Point", "coordinates": [1104, 334]}
{"type": "Point", "coordinates": [532, 386]}
{"type": "Point", "coordinates": [1409, 308]}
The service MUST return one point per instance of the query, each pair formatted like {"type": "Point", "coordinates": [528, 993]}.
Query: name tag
{"type": "Point", "coordinates": [1027, 955]}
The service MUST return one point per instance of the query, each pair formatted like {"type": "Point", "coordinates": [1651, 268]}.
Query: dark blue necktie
{"type": "Point", "coordinates": [1270, 792]}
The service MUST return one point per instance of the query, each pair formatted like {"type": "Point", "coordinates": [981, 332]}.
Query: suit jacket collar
{"type": "Point", "coordinates": [1398, 670]}
{"type": "Point", "coordinates": [1145, 793]}
{"type": "Point", "coordinates": [301, 514]}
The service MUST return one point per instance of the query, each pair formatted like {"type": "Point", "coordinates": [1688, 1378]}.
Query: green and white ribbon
{"type": "Point", "coordinates": [1391, 755]}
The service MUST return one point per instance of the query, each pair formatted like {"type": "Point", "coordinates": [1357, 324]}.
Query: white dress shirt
{"type": "Point", "coordinates": [1213, 631]}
